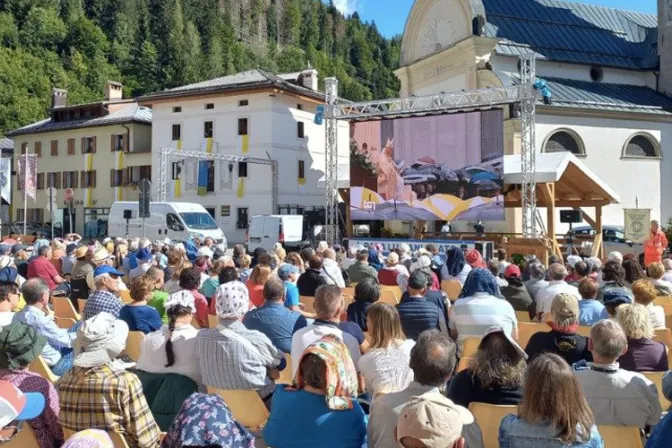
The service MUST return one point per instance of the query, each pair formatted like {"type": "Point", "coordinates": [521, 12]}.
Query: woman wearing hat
{"type": "Point", "coordinates": [20, 345]}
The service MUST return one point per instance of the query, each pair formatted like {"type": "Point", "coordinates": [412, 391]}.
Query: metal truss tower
{"type": "Point", "coordinates": [527, 142]}
{"type": "Point", "coordinates": [331, 160]}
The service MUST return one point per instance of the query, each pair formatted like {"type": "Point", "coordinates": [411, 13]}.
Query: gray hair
{"type": "Point", "coordinates": [42, 251]}
{"type": "Point", "coordinates": [329, 253]}
{"type": "Point", "coordinates": [667, 263]}
{"type": "Point", "coordinates": [133, 245]}
{"type": "Point", "coordinates": [328, 300]}
{"type": "Point", "coordinates": [537, 270]}
{"type": "Point", "coordinates": [557, 271]}
{"type": "Point", "coordinates": [33, 290]}
{"type": "Point", "coordinates": [433, 358]}
{"type": "Point", "coordinates": [608, 338]}
{"type": "Point", "coordinates": [98, 280]}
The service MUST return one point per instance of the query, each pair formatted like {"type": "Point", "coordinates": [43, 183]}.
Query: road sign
{"type": "Point", "coordinates": [69, 194]}
{"type": "Point", "coordinates": [144, 197]}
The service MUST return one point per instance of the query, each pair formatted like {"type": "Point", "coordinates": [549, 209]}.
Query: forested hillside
{"type": "Point", "coordinates": [150, 45]}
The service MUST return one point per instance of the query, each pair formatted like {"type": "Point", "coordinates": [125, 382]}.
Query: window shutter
{"type": "Point", "coordinates": [57, 180]}
{"type": "Point", "coordinates": [93, 174]}
{"type": "Point", "coordinates": [66, 179]}
{"type": "Point", "coordinates": [83, 178]}
{"type": "Point", "coordinates": [112, 174]}
{"type": "Point", "coordinates": [38, 149]}
{"type": "Point", "coordinates": [83, 145]}
{"type": "Point", "coordinates": [24, 148]}
{"type": "Point", "coordinates": [124, 176]}
{"type": "Point", "coordinates": [113, 140]}
{"type": "Point", "coordinates": [124, 142]}
{"type": "Point", "coordinates": [19, 185]}
{"type": "Point", "coordinates": [71, 146]}
{"type": "Point", "coordinates": [40, 181]}
{"type": "Point", "coordinates": [93, 144]}
{"type": "Point", "coordinates": [54, 148]}
{"type": "Point", "coordinates": [75, 179]}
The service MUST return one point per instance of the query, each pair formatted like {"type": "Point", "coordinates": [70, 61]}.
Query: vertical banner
{"type": "Point", "coordinates": [28, 174]}
{"type": "Point", "coordinates": [6, 179]}
{"type": "Point", "coordinates": [637, 221]}
{"type": "Point", "coordinates": [119, 167]}
{"type": "Point", "coordinates": [202, 177]}
{"type": "Point", "coordinates": [241, 188]}
{"type": "Point", "coordinates": [244, 143]}
{"type": "Point", "coordinates": [177, 193]}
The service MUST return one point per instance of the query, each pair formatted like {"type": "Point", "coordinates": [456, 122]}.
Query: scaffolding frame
{"type": "Point", "coordinates": [464, 101]}
{"type": "Point", "coordinates": [166, 153]}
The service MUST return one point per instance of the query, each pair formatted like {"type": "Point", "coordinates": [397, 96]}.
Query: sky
{"type": "Point", "coordinates": [390, 15]}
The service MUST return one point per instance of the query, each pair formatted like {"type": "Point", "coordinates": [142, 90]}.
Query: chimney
{"type": "Point", "coordinates": [59, 98]}
{"type": "Point", "coordinates": [309, 78]}
{"type": "Point", "coordinates": [113, 91]}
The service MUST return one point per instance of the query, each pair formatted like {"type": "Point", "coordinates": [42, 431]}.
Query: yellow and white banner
{"type": "Point", "coordinates": [241, 188]}
{"type": "Point", "coordinates": [637, 222]}
{"type": "Point", "coordinates": [119, 166]}
{"type": "Point", "coordinates": [244, 143]}
{"type": "Point", "coordinates": [177, 187]}
{"type": "Point", "coordinates": [206, 145]}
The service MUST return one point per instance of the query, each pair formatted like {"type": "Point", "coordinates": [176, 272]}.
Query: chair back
{"type": "Point", "coordinates": [620, 436]}
{"type": "Point", "coordinates": [471, 347]}
{"type": "Point", "coordinates": [212, 321]}
{"type": "Point", "coordinates": [40, 367]}
{"type": "Point", "coordinates": [464, 364]}
{"type": "Point", "coordinates": [523, 316]}
{"type": "Point", "coordinates": [81, 304]}
{"type": "Point", "coordinates": [657, 379]}
{"type": "Point", "coordinates": [488, 417]}
{"type": "Point", "coordinates": [246, 406]}
{"type": "Point", "coordinates": [133, 343]}
{"type": "Point", "coordinates": [583, 330]}
{"type": "Point", "coordinates": [389, 296]}
{"type": "Point", "coordinates": [125, 296]}
{"type": "Point", "coordinates": [64, 322]}
{"type": "Point", "coordinates": [452, 288]}
{"type": "Point", "coordinates": [195, 324]}
{"type": "Point", "coordinates": [63, 308]}
{"type": "Point", "coordinates": [309, 303]}
{"type": "Point", "coordinates": [526, 330]}
{"type": "Point", "coordinates": [664, 335]}
{"type": "Point", "coordinates": [394, 288]}
{"type": "Point", "coordinates": [667, 309]}
{"type": "Point", "coordinates": [26, 438]}
{"type": "Point", "coordinates": [662, 300]}
{"type": "Point", "coordinates": [348, 291]}
{"type": "Point", "coordinates": [286, 375]}
{"type": "Point", "coordinates": [79, 289]}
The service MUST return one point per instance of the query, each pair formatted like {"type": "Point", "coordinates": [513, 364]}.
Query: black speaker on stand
{"type": "Point", "coordinates": [570, 217]}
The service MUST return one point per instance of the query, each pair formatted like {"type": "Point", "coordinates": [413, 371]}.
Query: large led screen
{"type": "Point", "coordinates": [439, 167]}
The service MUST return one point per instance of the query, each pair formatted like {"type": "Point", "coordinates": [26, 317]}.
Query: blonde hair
{"type": "Point", "coordinates": [644, 291]}
{"type": "Point", "coordinates": [656, 270]}
{"type": "Point", "coordinates": [634, 320]}
{"type": "Point", "coordinates": [217, 266]}
{"type": "Point", "coordinates": [142, 287]}
{"type": "Point", "coordinates": [245, 261]}
{"type": "Point", "coordinates": [384, 325]}
{"type": "Point", "coordinates": [260, 274]}
{"type": "Point", "coordinates": [281, 253]}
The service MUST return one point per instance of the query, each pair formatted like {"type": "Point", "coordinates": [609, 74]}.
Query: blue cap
{"type": "Point", "coordinates": [106, 269]}
{"type": "Point", "coordinates": [616, 296]}
{"type": "Point", "coordinates": [143, 254]}
{"type": "Point", "coordinates": [286, 270]}
{"type": "Point", "coordinates": [35, 403]}
{"type": "Point", "coordinates": [8, 275]}
{"type": "Point", "coordinates": [5, 249]}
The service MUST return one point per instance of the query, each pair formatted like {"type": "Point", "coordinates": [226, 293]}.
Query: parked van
{"type": "Point", "coordinates": [266, 230]}
{"type": "Point", "coordinates": [174, 220]}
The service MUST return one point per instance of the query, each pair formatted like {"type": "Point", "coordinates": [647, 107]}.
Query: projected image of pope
{"type": "Point", "coordinates": [390, 182]}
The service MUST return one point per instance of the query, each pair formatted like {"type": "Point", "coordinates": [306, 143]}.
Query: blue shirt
{"type": "Point", "coordinates": [517, 433]}
{"type": "Point", "coordinates": [301, 419]}
{"type": "Point", "coordinates": [210, 287]}
{"type": "Point", "coordinates": [141, 318]}
{"type": "Point", "coordinates": [590, 311]}
{"type": "Point", "coordinates": [291, 295]}
{"type": "Point", "coordinates": [276, 322]}
{"type": "Point", "coordinates": [57, 338]}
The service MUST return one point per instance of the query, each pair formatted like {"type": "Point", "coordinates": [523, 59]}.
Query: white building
{"type": "Point", "coordinates": [255, 114]}
{"type": "Point", "coordinates": [601, 64]}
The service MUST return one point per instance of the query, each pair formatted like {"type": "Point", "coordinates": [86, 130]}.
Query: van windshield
{"type": "Point", "coordinates": [199, 220]}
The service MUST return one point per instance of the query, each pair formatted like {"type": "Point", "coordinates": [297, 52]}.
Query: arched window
{"type": "Point", "coordinates": [641, 145]}
{"type": "Point", "coordinates": [565, 140]}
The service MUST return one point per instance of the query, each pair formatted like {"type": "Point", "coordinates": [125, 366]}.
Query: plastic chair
{"type": "Point", "coordinates": [669, 359]}
{"type": "Point", "coordinates": [657, 379]}
{"type": "Point", "coordinates": [620, 436]}
{"type": "Point", "coordinates": [662, 300]}
{"type": "Point", "coordinates": [81, 303]}
{"type": "Point", "coordinates": [212, 321]}
{"type": "Point", "coordinates": [667, 308]}
{"type": "Point", "coordinates": [488, 417]}
{"type": "Point", "coordinates": [125, 296]}
{"type": "Point", "coordinates": [40, 367]}
{"type": "Point", "coordinates": [348, 291]}
{"type": "Point", "coordinates": [583, 330]}
{"type": "Point", "coordinates": [523, 316]}
{"type": "Point", "coordinates": [309, 303]}
{"type": "Point", "coordinates": [246, 406]}
{"type": "Point", "coordinates": [471, 347]}
{"type": "Point", "coordinates": [133, 342]}
{"type": "Point", "coordinates": [26, 438]}
{"type": "Point", "coordinates": [65, 323]}
{"type": "Point", "coordinates": [452, 288]}
{"type": "Point", "coordinates": [63, 308]}
{"type": "Point", "coordinates": [664, 335]}
{"type": "Point", "coordinates": [526, 330]}
{"type": "Point", "coordinates": [464, 364]}
{"type": "Point", "coordinates": [195, 324]}
{"type": "Point", "coordinates": [286, 375]}
{"type": "Point", "coordinates": [388, 296]}
{"type": "Point", "coordinates": [395, 289]}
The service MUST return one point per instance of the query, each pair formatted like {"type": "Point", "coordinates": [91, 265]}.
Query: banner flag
{"type": "Point", "coordinates": [637, 222]}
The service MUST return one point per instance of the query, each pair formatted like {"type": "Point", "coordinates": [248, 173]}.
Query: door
{"type": "Point", "coordinates": [256, 232]}
{"type": "Point", "coordinates": [67, 227]}
{"type": "Point", "coordinates": [271, 233]}
{"type": "Point", "coordinates": [174, 229]}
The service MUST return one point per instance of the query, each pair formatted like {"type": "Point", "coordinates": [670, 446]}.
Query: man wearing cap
{"type": "Point", "coordinates": [562, 339]}
{"type": "Point", "coordinates": [57, 352]}
{"type": "Point", "coordinates": [15, 406]}
{"type": "Point", "coordinates": [232, 357]}
{"type": "Point", "coordinates": [418, 314]}
{"type": "Point", "coordinates": [616, 396]}
{"type": "Point", "coordinates": [94, 395]}
{"type": "Point", "coordinates": [289, 274]}
{"type": "Point", "coordinates": [20, 345]}
{"type": "Point", "coordinates": [274, 319]}
{"type": "Point", "coordinates": [361, 269]}
{"type": "Point", "coordinates": [42, 267]}
{"type": "Point", "coordinates": [105, 298]}
{"type": "Point", "coordinates": [612, 299]}
{"type": "Point", "coordinates": [145, 261]}
{"type": "Point", "coordinates": [557, 285]}
{"type": "Point", "coordinates": [432, 421]}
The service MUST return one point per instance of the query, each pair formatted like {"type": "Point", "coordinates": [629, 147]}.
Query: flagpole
{"type": "Point", "coordinates": [25, 194]}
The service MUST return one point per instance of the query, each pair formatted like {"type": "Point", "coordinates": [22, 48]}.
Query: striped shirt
{"type": "Point", "coordinates": [473, 316]}
{"type": "Point", "coordinates": [110, 400]}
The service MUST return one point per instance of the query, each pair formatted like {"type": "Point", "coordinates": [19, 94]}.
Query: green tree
{"type": "Point", "coordinates": [43, 29]}
{"type": "Point", "coordinates": [192, 56]}
{"type": "Point", "coordinates": [310, 27]}
{"type": "Point", "coordinates": [272, 24]}
{"type": "Point", "coordinates": [291, 22]}
{"type": "Point", "coordinates": [9, 33]}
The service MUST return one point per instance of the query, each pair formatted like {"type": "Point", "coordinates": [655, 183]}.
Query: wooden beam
{"type": "Point", "coordinates": [549, 192]}
{"type": "Point", "coordinates": [598, 231]}
{"type": "Point", "coordinates": [581, 203]}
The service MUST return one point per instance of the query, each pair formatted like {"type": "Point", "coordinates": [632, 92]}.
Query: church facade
{"type": "Point", "coordinates": [610, 105]}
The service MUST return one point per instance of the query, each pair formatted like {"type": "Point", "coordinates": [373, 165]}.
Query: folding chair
{"type": "Point", "coordinates": [309, 303]}
{"type": "Point", "coordinates": [523, 316]}
{"type": "Point", "coordinates": [246, 406]}
{"type": "Point", "coordinates": [452, 288]}
{"type": "Point", "coordinates": [583, 330]}
{"type": "Point", "coordinates": [133, 342]}
{"type": "Point", "coordinates": [662, 300]}
{"type": "Point", "coordinates": [81, 303]}
{"type": "Point", "coordinates": [664, 335]}
{"type": "Point", "coordinates": [526, 330]}
{"type": "Point", "coordinates": [348, 291]}
{"type": "Point", "coordinates": [657, 379]}
{"type": "Point", "coordinates": [286, 375]}
{"type": "Point", "coordinates": [212, 321]}
{"type": "Point", "coordinates": [65, 323]}
{"type": "Point", "coordinates": [620, 436]}
{"type": "Point", "coordinates": [395, 289]}
{"type": "Point", "coordinates": [40, 367]}
{"type": "Point", "coordinates": [26, 438]}
{"type": "Point", "coordinates": [488, 417]}
{"type": "Point", "coordinates": [63, 308]}
{"type": "Point", "coordinates": [471, 347]}
{"type": "Point", "coordinates": [195, 324]}
{"type": "Point", "coordinates": [464, 364]}
{"type": "Point", "coordinates": [388, 296]}
{"type": "Point", "coordinates": [125, 296]}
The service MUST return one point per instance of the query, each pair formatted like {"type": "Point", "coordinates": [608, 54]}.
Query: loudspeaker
{"type": "Point", "coordinates": [128, 214]}
{"type": "Point", "coordinates": [570, 216]}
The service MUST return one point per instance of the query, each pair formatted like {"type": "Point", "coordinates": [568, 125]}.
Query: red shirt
{"type": "Point", "coordinates": [256, 293]}
{"type": "Point", "coordinates": [201, 309]}
{"type": "Point", "coordinates": [388, 277]}
{"type": "Point", "coordinates": [41, 267]}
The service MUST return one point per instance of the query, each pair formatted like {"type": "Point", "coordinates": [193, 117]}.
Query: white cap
{"type": "Point", "coordinates": [508, 337]}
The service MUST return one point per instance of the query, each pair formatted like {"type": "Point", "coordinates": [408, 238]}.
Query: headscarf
{"type": "Point", "coordinates": [480, 280]}
{"type": "Point", "coordinates": [374, 261]}
{"type": "Point", "coordinates": [341, 374]}
{"type": "Point", "coordinates": [455, 261]}
{"type": "Point", "coordinates": [205, 420]}
{"type": "Point", "coordinates": [89, 438]}
{"type": "Point", "coordinates": [232, 300]}
{"type": "Point", "coordinates": [474, 258]}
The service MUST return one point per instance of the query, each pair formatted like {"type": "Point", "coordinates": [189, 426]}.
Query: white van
{"type": "Point", "coordinates": [266, 230]}
{"type": "Point", "coordinates": [174, 220]}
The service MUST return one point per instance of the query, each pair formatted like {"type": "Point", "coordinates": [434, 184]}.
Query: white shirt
{"type": "Point", "coordinates": [656, 316]}
{"type": "Point", "coordinates": [401, 269]}
{"type": "Point", "coordinates": [461, 277]}
{"type": "Point", "coordinates": [347, 262]}
{"type": "Point", "coordinates": [332, 273]}
{"type": "Point", "coordinates": [502, 266]}
{"type": "Point", "coordinates": [501, 282]}
{"type": "Point", "coordinates": [153, 352]}
{"type": "Point", "coordinates": [546, 295]}
{"type": "Point", "coordinates": [667, 276]}
{"type": "Point", "coordinates": [387, 370]}
{"type": "Point", "coordinates": [312, 333]}
{"type": "Point", "coordinates": [663, 282]}
{"type": "Point", "coordinates": [6, 318]}
{"type": "Point", "coordinates": [140, 270]}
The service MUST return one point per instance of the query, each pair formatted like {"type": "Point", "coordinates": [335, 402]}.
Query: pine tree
{"type": "Point", "coordinates": [291, 22]}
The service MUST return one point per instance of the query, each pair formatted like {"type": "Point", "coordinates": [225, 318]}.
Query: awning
{"type": "Point", "coordinates": [343, 178]}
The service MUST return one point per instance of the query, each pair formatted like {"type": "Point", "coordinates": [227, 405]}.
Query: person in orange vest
{"type": "Point", "coordinates": [654, 246]}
